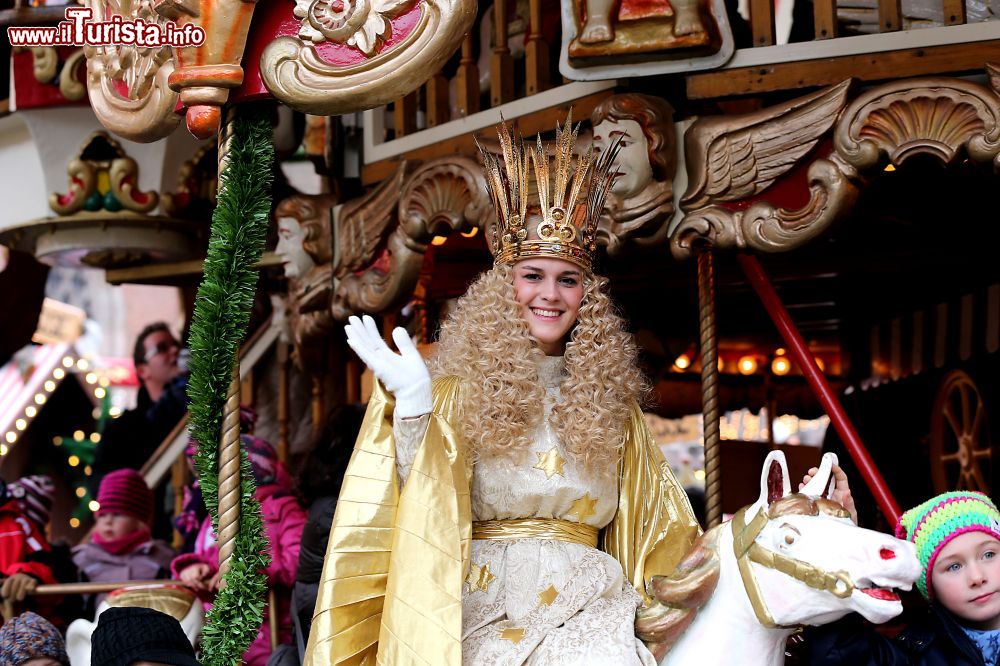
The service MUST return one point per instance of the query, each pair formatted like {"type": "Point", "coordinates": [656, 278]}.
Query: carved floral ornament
{"type": "Point", "coordinates": [103, 218]}
{"type": "Point", "coordinates": [45, 67]}
{"type": "Point", "coordinates": [297, 74]}
{"type": "Point", "coordinates": [128, 85]}
{"type": "Point", "coordinates": [348, 55]}
{"type": "Point", "coordinates": [733, 160]}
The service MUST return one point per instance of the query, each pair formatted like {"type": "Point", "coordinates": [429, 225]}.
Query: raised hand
{"type": "Point", "coordinates": [841, 489]}
{"type": "Point", "coordinates": [404, 374]}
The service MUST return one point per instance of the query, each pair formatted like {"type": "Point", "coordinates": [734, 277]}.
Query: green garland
{"type": "Point", "coordinates": [221, 315]}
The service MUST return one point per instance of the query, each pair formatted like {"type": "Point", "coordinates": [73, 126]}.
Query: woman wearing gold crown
{"type": "Point", "coordinates": [512, 510]}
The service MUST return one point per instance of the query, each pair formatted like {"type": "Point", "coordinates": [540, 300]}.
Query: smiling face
{"type": "Point", "coordinates": [966, 579]}
{"type": "Point", "coordinates": [632, 163]}
{"type": "Point", "coordinates": [550, 292]}
{"type": "Point", "coordinates": [295, 259]}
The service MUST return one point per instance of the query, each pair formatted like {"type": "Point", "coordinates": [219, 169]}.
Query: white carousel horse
{"type": "Point", "coordinates": [787, 560]}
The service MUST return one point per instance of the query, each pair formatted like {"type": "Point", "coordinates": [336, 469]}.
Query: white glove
{"type": "Point", "coordinates": [404, 374]}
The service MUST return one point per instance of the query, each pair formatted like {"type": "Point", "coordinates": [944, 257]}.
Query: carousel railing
{"type": "Point", "coordinates": [63, 589]}
{"type": "Point", "coordinates": [433, 119]}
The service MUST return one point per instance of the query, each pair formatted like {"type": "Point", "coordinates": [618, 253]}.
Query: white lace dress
{"type": "Point", "coordinates": [539, 601]}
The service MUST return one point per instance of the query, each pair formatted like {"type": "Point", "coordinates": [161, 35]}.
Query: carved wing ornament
{"type": "Point", "coordinates": [364, 223]}
{"type": "Point", "coordinates": [737, 157]}
{"type": "Point", "coordinates": [733, 157]}
{"type": "Point", "coordinates": [128, 85]}
{"type": "Point", "coordinates": [937, 116]}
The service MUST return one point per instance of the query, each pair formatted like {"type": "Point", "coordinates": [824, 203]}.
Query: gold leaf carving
{"type": "Point", "coordinates": [765, 228]}
{"type": "Point", "coordinates": [940, 117]}
{"type": "Point", "coordinates": [295, 74]}
{"type": "Point", "coordinates": [146, 112]}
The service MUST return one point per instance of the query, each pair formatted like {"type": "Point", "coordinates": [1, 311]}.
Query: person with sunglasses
{"type": "Point", "coordinates": [129, 440]}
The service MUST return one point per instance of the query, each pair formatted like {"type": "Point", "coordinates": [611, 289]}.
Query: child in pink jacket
{"type": "Point", "coordinates": [283, 523]}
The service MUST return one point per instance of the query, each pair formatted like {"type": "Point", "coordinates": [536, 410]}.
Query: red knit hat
{"type": "Point", "coordinates": [125, 491]}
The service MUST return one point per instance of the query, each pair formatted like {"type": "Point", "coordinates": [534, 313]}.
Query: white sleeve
{"type": "Point", "coordinates": [408, 433]}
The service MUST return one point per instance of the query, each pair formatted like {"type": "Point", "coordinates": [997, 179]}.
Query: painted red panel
{"type": "Point", "coordinates": [274, 19]}
{"type": "Point", "coordinates": [30, 94]}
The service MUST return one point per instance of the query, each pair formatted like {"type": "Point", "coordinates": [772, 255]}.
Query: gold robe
{"type": "Point", "coordinates": [391, 589]}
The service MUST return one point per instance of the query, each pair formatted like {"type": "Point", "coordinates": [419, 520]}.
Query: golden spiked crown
{"type": "Point", "coordinates": [568, 225]}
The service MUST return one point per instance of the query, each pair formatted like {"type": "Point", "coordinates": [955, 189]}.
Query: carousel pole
{"type": "Point", "coordinates": [229, 475]}
{"type": "Point", "coordinates": [709, 387]}
{"type": "Point", "coordinates": [229, 441]}
{"type": "Point", "coordinates": [831, 405]}
{"type": "Point", "coordinates": [221, 315]}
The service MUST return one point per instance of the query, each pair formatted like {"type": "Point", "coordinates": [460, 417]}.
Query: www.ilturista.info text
{"type": "Point", "coordinates": [79, 30]}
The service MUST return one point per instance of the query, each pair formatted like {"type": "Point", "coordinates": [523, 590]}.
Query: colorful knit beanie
{"type": "Point", "coordinates": [29, 636]}
{"type": "Point", "coordinates": [125, 491]}
{"type": "Point", "coordinates": [35, 495]}
{"type": "Point", "coordinates": [931, 525]}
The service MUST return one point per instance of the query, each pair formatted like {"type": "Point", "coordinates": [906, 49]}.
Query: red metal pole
{"type": "Point", "coordinates": [797, 347]}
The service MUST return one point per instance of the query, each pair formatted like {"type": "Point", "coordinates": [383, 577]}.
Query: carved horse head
{"type": "Point", "coordinates": [813, 562]}
{"type": "Point", "coordinates": [788, 559]}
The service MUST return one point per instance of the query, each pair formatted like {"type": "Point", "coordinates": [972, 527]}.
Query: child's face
{"type": "Point", "coordinates": [112, 525]}
{"type": "Point", "coordinates": [966, 579]}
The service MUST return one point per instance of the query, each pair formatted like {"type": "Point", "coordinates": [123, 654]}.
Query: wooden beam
{"type": "Point", "coordinates": [405, 114]}
{"type": "Point", "coordinates": [437, 100]}
{"type": "Point", "coordinates": [954, 12]}
{"type": "Point", "coordinates": [950, 59]}
{"type": "Point", "coordinates": [502, 62]}
{"type": "Point", "coordinates": [762, 21]}
{"type": "Point", "coordinates": [825, 18]}
{"type": "Point", "coordinates": [536, 51]}
{"type": "Point", "coordinates": [179, 271]}
{"type": "Point", "coordinates": [890, 15]}
{"type": "Point", "coordinates": [542, 121]}
{"type": "Point", "coordinates": [467, 81]}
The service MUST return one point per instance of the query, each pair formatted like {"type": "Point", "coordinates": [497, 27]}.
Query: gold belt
{"type": "Point", "coordinates": [536, 528]}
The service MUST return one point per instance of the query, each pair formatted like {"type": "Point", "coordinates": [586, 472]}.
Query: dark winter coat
{"type": "Point", "coordinates": [935, 639]}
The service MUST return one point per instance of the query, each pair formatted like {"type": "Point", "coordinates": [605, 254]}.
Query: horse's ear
{"type": "Point", "coordinates": [774, 483]}
{"type": "Point", "coordinates": [823, 483]}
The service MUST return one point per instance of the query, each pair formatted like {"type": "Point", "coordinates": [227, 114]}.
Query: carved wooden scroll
{"type": "Point", "coordinates": [940, 117]}
{"type": "Point", "coordinates": [359, 54]}
{"type": "Point", "coordinates": [377, 267]}
{"type": "Point", "coordinates": [733, 160]}
{"type": "Point", "coordinates": [128, 84]}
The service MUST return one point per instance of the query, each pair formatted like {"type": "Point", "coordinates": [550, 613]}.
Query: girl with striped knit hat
{"type": "Point", "coordinates": [957, 536]}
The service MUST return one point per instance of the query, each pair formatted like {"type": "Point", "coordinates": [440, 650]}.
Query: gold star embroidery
{"type": "Point", "coordinates": [513, 634]}
{"type": "Point", "coordinates": [479, 578]}
{"type": "Point", "coordinates": [551, 463]}
{"type": "Point", "coordinates": [548, 595]}
{"type": "Point", "coordinates": [583, 508]}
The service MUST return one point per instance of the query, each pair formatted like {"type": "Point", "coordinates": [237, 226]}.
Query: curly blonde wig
{"type": "Point", "coordinates": [486, 343]}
